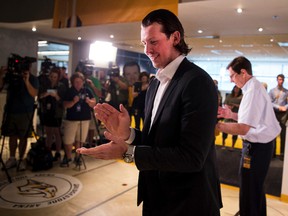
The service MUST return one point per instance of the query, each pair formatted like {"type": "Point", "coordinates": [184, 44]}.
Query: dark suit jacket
{"type": "Point", "coordinates": [176, 158]}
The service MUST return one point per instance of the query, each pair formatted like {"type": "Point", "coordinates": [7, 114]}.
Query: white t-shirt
{"type": "Point", "coordinates": [256, 111]}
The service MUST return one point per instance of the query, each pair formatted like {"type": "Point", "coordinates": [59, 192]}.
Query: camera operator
{"type": "Point", "coordinates": [22, 88]}
{"type": "Point", "coordinates": [64, 77]}
{"type": "Point", "coordinates": [117, 89]}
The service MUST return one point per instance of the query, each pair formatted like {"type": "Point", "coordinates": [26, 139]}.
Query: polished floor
{"type": "Point", "coordinates": [110, 189]}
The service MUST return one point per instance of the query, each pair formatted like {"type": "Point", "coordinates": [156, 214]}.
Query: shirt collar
{"type": "Point", "coordinates": [167, 73]}
{"type": "Point", "coordinates": [247, 84]}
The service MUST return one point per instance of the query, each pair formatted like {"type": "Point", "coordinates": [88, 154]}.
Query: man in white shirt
{"type": "Point", "coordinates": [258, 127]}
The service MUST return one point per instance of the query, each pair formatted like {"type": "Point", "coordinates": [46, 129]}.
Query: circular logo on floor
{"type": "Point", "coordinates": [38, 190]}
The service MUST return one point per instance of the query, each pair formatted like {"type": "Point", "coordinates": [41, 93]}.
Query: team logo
{"type": "Point", "coordinates": [38, 190]}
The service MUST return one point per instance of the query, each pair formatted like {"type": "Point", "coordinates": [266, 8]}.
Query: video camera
{"type": "Point", "coordinates": [113, 71]}
{"type": "Point", "coordinates": [85, 67]}
{"type": "Point", "coordinates": [46, 66]}
{"type": "Point", "coordinates": [17, 64]}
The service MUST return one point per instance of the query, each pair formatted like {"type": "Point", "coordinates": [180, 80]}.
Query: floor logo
{"type": "Point", "coordinates": [38, 190]}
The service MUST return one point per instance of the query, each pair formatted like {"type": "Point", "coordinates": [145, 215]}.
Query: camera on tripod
{"type": "Point", "coordinates": [17, 64]}
{"type": "Point", "coordinates": [46, 66]}
{"type": "Point", "coordinates": [85, 67]}
{"type": "Point", "coordinates": [113, 72]}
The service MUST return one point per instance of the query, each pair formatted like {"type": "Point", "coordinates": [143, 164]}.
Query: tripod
{"type": "Point", "coordinates": [3, 164]}
{"type": "Point", "coordinates": [79, 160]}
{"type": "Point", "coordinates": [4, 168]}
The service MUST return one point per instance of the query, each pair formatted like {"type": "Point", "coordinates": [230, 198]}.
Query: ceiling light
{"type": "Point", "coordinates": [260, 29]}
{"type": "Point", "coordinates": [200, 31]}
{"type": "Point", "coordinates": [111, 36]}
{"type": "Point", "coordinates": [34, 29]}
{"type": "Point", "coordinates": [79, 38]}
{"type": "Point", "coordinates": [239, 10]}
{"type": "Point", "coordinates": [271, 40]}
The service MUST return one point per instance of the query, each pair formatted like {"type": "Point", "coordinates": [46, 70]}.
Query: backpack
{"type": "Point", "coordinates": [38, 157]}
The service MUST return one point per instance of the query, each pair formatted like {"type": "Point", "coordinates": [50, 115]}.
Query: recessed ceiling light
{"type": "Point", "coordinates": [271, 40]}
{"type": "Point", "coordinates": [260, 29]}
{"type": "Point", "coordinates": [239, 10]}
{"type": "Point", "coordinates": [111, 36]}
{"type": "Point", "coordinates": [34, 29]}
{"type": "Point", "coordinates": [79, 38]}
{"type": "Point", "coordinates": [200, 31]}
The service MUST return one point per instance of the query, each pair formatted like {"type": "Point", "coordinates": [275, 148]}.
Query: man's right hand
{"type": "Point", "coordinates": [117, 123]}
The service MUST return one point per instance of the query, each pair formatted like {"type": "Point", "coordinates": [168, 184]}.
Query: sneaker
{"type": "Point", "coordinates": [57, 156]}
{"type": "Point", "coordinates": [21, 165]}
{"type": "Point", "coordinates": [10, 163]}
{"type": "Point", "coordinates": [65, 162]}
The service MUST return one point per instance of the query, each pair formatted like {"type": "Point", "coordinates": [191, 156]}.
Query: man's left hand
{"type": "Point", "coordinates": [112, 150]}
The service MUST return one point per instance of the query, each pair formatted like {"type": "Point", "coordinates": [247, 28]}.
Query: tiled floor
{"type": "Point", "coordinates": [110, 189]}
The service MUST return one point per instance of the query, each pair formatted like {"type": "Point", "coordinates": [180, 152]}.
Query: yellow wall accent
{"type": "Point", "coordinates": [108, 11]}
{"type": "Point", "coordinates": [284, 198]}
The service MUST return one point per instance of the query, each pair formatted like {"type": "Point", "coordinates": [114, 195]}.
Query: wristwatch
{"type": "Point", "coordinates": [128, 156]}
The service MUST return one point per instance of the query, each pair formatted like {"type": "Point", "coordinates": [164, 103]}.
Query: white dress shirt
{"type": "Point", "coordinates": [256, 111]}
{"type": "Point", "coordinates": [164, 76]}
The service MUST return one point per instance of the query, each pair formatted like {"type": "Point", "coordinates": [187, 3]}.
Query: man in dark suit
{"type": "Point", "coordinates": [175, 152]}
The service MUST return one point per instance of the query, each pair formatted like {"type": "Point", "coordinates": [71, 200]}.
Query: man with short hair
{"type": "Point", "coordinates": [279, 98]}
{"type": "Point", "coordinates": [257, 125]}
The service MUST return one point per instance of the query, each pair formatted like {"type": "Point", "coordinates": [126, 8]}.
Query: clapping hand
{"type": "Point", "coordinates": [116, 122]}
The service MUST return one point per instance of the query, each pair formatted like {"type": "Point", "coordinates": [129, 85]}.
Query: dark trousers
{"type": "Point", "coordinates": [138, 115]}
{"type": "Point", "coordinates": [234, 138]}
{"type": "Point", "coordinates": [252, 194]}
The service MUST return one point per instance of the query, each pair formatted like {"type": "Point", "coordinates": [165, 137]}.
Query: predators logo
{"type": "Point", "coordinates": [37, 189]}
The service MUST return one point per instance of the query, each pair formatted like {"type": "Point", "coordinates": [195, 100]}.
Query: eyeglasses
{"type": "Point", "coordinates": [232, 76]}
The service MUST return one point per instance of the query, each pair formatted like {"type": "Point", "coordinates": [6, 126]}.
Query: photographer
{"type": "Point", "coordinates": [117, 89]}
{"type": "Point", "coordinates": [22, 88]}
{"type": "Point", "coordinates": [94, 85]}
{"type": "Point", "coordinates": [78, 101]}
{"type": "Point", "coordinates": [51, 103]}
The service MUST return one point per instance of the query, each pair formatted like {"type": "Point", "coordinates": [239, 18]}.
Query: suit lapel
{"type": "Point", "coordinates": [173, 83]}
{"type": "Point", "coordinates": [151, 92]}
{"type": "Point", "coordinates": [165, 97]}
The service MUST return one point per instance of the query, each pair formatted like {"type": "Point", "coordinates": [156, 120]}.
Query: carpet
{"type": "Point", "coordinates": [228, 165]}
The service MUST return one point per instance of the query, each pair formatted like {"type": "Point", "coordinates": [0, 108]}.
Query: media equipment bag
{"type": "Point", "coordinates": [38, 157]}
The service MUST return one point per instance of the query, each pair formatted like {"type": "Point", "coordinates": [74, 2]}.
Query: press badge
{"type": "Point", "coordinates": [247, 162]}
{"type": "Point", "coordinates": [78, 108]}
